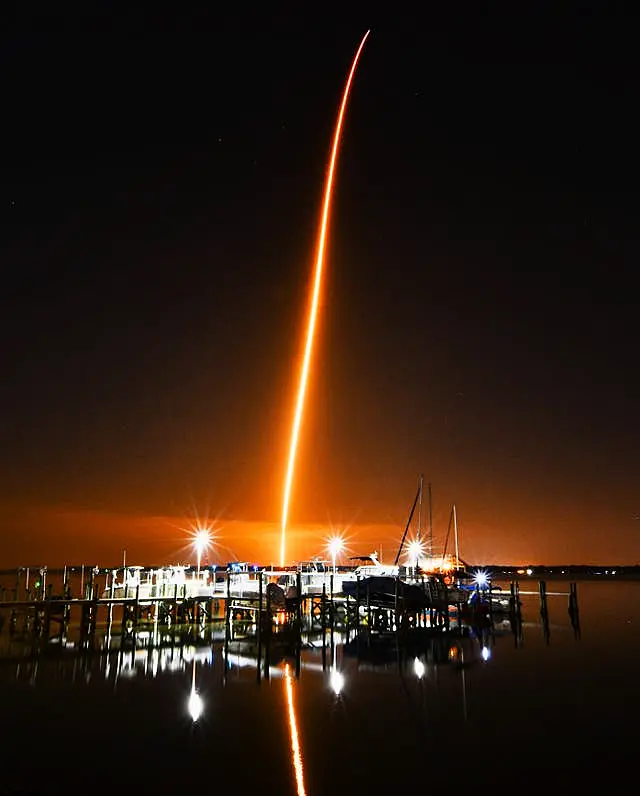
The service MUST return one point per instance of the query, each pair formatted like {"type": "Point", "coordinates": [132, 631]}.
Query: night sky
{"type": "Point", "coordinates": [160, 184]}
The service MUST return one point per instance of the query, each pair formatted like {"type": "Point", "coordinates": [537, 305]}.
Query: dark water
{"type": "Point", "coordinates": [531, 718]}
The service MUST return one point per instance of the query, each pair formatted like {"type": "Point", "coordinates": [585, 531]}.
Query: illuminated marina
{"type": "Point", "coordinates": [261, 273]}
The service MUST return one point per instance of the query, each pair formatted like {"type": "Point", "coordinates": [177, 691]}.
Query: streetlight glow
{"type": "Point", "coordinates": [201, 542]}
{"type": "Point", "coordinates": [481, 579]}
{"type": "Point", "coordinates": [416, 549]}
{"type": "Point", "coordinates": [336, 546]}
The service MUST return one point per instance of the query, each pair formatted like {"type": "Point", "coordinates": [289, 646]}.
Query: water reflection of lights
{"type": "Point", "coordinates": [419, 668]}
{"type": "Point", "coordinates": [152, 661]}
{"type": "Point", "coordinates": [296, 753]}
{"type": "Point", "coordinates": [195, 705]}
{"type": "Point", "coordinates": [336, 679]}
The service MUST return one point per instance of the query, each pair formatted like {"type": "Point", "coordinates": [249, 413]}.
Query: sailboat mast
{"type": "Point", "coordinates": [420, 510]}
{"type": "Point", "coordinates": [455, 532]}
{"type": "Point", "coordinates": [430, 525]}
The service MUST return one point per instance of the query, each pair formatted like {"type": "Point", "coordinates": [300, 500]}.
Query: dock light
{"type": "Point", "coordinates": [481, 579]}
{"type": "Point", "coordinates": [336, 546]}
{"type": "Point", "coordinates": [486, 653]}
{"type": "Point", "coordinates": [416, 549]}
{"type": "Point", "coordinates": [418, 668]}
{"type": "Point", "coordinates": [201, 542]}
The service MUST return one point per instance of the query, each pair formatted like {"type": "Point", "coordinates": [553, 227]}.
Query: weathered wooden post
{"type": "Point", "coordinates": [323, 609]}
{"type": "Point", "coordinates": [574, 612]}
{"type": "Point", "coordinates": [227, 625]}
{"type": "Point", "coordinates": [298, 633]}
{"type": "Point", "coordinates": [259, 630]}
{"type": "Point", "coordinates": [267, 630]}
{"type": "Point", "coordinates": [544, 610]}
{"type": "Point", "coordinates": [324, 627]}
{"type": "Point", "coordinates": [174, 617]}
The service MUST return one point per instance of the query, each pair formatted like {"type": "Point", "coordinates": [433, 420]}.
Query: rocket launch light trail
{"type": "Point", "coordinates": [315, 299]}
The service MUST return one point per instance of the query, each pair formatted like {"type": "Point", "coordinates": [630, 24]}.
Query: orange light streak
{"type": "Point", "coordinates": [296, 754]}
{"type": "Point", "coordinates": [315, 300]}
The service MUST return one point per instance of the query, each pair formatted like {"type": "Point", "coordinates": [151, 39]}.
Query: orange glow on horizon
{"type": "Point", "coordinates": [296, 753]}
{"type": "Point", "coordinates": [313, 309]}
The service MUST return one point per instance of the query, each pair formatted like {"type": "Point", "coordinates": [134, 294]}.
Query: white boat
{"type": "Point", "coordinates": [370, 566]}
{"type": "Point", "coordinates": [170, 582]}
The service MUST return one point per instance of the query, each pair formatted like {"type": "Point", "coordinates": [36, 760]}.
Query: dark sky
{"type": "Point", "coordinates": [160, 187]}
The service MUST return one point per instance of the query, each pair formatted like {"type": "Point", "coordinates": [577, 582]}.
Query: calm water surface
{"type": "Point", "coordinates": [536, 717]}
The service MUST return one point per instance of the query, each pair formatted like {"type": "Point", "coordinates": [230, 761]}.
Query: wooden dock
{"type": "Point", "coordinates": [31, 610]}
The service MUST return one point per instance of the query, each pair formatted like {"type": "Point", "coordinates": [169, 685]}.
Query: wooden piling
{"type": "Point", "coordinates": [544, 610]}
{"type": "Point", "coordinates": [268, 627]}
{"type": "Point", "coordinates": [574, 612]}
{"type": "Point", "coordinates": [259, 630]}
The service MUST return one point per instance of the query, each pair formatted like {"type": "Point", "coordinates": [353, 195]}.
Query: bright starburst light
{"type": "Point", "coordinates": [481, 579]}
{"type": "Point", "coordinates": [415, 551]}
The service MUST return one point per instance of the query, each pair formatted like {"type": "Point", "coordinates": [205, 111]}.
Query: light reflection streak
{"type": "Point", "coordinates": [296, 754]}
{"type": "Point", "coordinates": [195, 705]}
{"type": "Point", "coordinates": [315, 300]}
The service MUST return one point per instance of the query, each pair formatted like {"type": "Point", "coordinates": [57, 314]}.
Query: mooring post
{"type": "Point", "coordinates": [47, 618]}
{"type": "Point", "coordinates": [447, 618]}
{"type": "Point", "coordinates": [299, 606]}
{"type": "Point", "coordinates": [346, 618]}
{"type": "Point", "coordinates": [513, 614]}
{"type": "Point", "coordinates": [544, 610]}
{"type": "Point", "coordinates": [298, 634]}
{"type": "Point", "coordinates": [175, 606]}
{"type": "Point", "coordinates": [331, 592]}
{"type": "Point", "coordinates": [267, 631]}
{"type": "Point", "coordinates": [519, 613]}
{"type": "Point", "coordinates": [259, 630]}
{"type": "Point", "coordinates": [324, 627]}
{"type": "Point", "coordinates": [136, 613]}
{"type": "Point", "coordinates": [323, 609]}
{"type": "Point", "coordinates": [298, 655]}
{"type": "Point", "coordinates": [109, 590]}
{"type": "Point", "coordinates": [94, 612]}
{"type": "Point", "coordinates": [574, 612]}
{"type": "Point", "coordinates": [396, 605]}
{"type": "Point", "coordinates": [490, 596]}
{"type": "Point", "coordinates": [228, 612]}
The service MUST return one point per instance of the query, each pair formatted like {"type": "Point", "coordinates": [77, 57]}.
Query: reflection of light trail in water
{"type": "Point", "coordinates": [313, 309]}
{"type": "Point", "coordinates": [293, 732]}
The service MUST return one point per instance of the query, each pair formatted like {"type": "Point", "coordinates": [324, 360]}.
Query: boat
{"type": "Point", "coordinates": [171, 582]}
{"type": "Point", "coordinates": [370, 566]}
{"type": "Point", "coordinates": [318, 576]}
{"type": "Point", "coordinates": [385, 591]}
